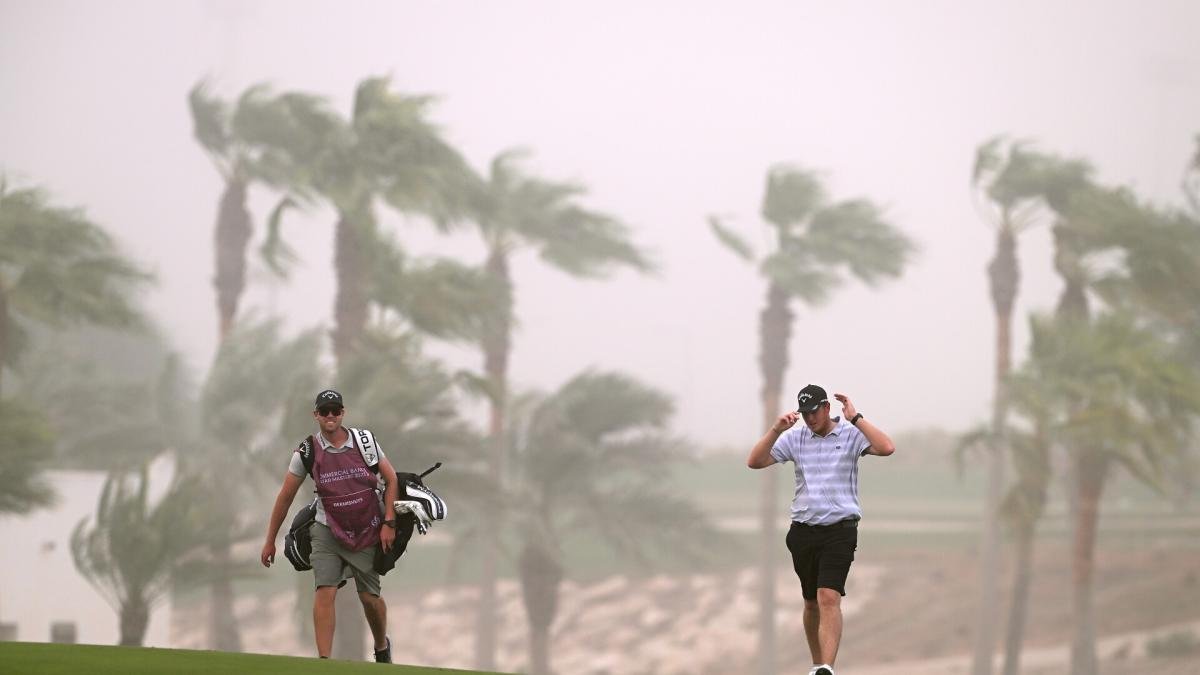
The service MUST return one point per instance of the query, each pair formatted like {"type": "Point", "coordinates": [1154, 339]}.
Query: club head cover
{"type": "Point", "coordinates": [417, 509]}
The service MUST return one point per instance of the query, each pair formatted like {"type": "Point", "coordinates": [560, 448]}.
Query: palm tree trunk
{"type": "Point", "coordinates": [231, 237]}
{"type": "Point", "coordinates": [1004, 279]}
{"type": "Point", "coordinates": [1019, 603]}
{"type": "Point", "coordinates": [350, 299]}
{"type": "Point", "coordinates": [1073, 303]}
{"type": "Point", "coordinates": [541, 577]}
{"type": "Point", "coordinates": [3, 333]}
{"type": "Point", "coordinates": [775, 329]}
{"type": "Point", "coordinates": [135, 616]}
{"type": "Point", "coordinates": [223, 632]}
{"type": "Point", "coordinates": [350, 259]}
{"type": "Point", "coordinates": [497, 344]}
{"type": "Point", "coordinates": [1091, 471]}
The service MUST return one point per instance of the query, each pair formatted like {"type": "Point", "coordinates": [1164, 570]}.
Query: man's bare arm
{"type": "Point", "coordinates": [287, 492]}
{"type": "Point", "coordinates": [760, 455]}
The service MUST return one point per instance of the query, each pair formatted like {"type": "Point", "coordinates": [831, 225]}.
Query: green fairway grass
{"type": "Point", "coordinates": [52, 659]}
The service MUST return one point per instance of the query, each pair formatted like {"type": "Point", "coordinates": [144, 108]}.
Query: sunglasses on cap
{"type": "Point", "coordinates": [329, 412]}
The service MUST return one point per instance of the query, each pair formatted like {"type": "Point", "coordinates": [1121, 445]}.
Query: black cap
{"type": "Point", "coordinates": [810, 398]}
{"type": "Point", "coordinates": [328, 399]}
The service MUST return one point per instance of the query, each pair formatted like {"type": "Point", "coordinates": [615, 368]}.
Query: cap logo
{"type": "Point", "coordinates": [329, 395]}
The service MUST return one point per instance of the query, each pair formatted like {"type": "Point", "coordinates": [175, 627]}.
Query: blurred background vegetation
{"type": "Point", "coordinates": [1092, 438]}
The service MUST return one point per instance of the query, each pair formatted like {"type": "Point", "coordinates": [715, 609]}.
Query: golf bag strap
{"type": "Point", "coordinates": [364, 440]}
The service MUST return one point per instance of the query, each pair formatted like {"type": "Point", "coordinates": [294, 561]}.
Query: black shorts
{"type": "Point", "coordinates": [821, 555]}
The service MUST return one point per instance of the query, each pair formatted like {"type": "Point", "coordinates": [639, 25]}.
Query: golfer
{"type": "Point", "coordinates": [825, 511]}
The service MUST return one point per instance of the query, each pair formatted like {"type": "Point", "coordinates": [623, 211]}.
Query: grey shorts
{"type": "Point", "coordinates": [332, 562]}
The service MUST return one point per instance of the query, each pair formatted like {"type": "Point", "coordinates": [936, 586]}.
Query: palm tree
{"type": "Point", "coordinates": [1154, 280]}
{"type": "Point", "coordinates": [588, 461]}
{"type": "Point", "coordinates": [514, 210]}
{"type": "Point", "coordinates": [1012, 185]}
{"type": "Point", "coordinates": [818, 243]}
{"type": "Point", "coordinates": [1025, 502]}
{"type": "Point", "coordinates": [134, 550]}
{"type": "Point", "coordinates": [263, 138]}
{"type": "Point", "coordinates": [1160, 253]}
{"type": "Point", "coordinates": [1116, 396]}
{"type": "Point", "coordinates": [58, 268]}
{"type": "Point", "coordinates": [387, 150]}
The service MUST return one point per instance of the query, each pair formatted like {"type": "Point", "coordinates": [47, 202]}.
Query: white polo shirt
{"type": "Point", "coordinates": [826, 471]}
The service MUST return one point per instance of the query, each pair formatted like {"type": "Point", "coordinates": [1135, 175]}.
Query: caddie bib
{"type": "Point", "coordinates": [346, 488]}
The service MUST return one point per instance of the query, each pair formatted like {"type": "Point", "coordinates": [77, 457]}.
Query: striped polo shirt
{"type": "Point", "coordinates": [826, 471]}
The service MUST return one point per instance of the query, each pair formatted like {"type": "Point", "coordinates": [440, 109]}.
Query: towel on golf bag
{"type": "Point", "coordinates": [416, 506]}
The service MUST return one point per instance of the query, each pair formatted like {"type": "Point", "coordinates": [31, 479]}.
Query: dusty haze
{"type": "Point", "coordinates": [668, 112]}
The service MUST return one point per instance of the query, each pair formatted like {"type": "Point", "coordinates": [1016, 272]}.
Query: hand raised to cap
{"type": "Point", "coordinates": [848, 410]}
{"type": "Point", "coordinates": [785, 422]}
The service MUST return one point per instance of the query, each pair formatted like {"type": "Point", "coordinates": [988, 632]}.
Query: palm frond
{"type": "Point", "coordinates": [854, 234]}
{"type": "Point", "coordinates": [210, 124]}
{"type": "Point", "coordinates": [987, 158]}
{"type": "Point", "coordinates": [439, 297]}
{"type": "Point", "coordinates": [128, 552]}
{"type": "Point", "coordinates": [792, 195]}
{"type": "Point", "coordinates": [274, 251]}
{"type": "Point", "coordinates": [61, 268]}
{"type": "Point", "coordinates": [1114, 388]}
{"type": "Point", "coordinates": [794, 269]}
{"type": "Point", "coordinates": [591, 457]}
{"type": "Point", "coordinates": [549, 216]}
{"type": "Point", "coordinates": [731, 240]}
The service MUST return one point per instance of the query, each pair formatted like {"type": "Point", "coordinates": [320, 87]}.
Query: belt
{"type": "Point", "coordinates": [849, 522]}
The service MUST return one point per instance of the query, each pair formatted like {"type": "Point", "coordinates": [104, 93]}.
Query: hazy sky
{"type": "Point", "coordinates": [667, 111]}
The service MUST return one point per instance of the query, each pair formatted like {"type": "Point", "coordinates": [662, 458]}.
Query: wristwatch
{"type": "Point", "coordinates": [854, 420]}
{"type": "Point", "coordinates": [390, 523]}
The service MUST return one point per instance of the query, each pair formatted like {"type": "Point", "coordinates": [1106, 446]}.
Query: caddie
{"type": "Point", "coordinates": [347, 466]}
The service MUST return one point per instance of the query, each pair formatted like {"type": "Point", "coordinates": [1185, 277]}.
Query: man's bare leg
{"type": "Point", "coordinates": [812, 622]}
{"type": "Point", "coordinates": [375, 610]}
{"type": "Point", "coordinates": [324, 619]}
{"type": "Point", "coordinates": [829, 603]}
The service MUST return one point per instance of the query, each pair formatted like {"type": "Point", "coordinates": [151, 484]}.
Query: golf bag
{"type": "Point", "coordinates": [297, 543]}
{"type": "Point", "coordinates": [416, 507]}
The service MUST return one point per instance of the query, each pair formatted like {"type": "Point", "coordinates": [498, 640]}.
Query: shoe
{"type": "Point", "coordinates": [384, 655]}
{"type": "Point", "coordinates": [823, 670]}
